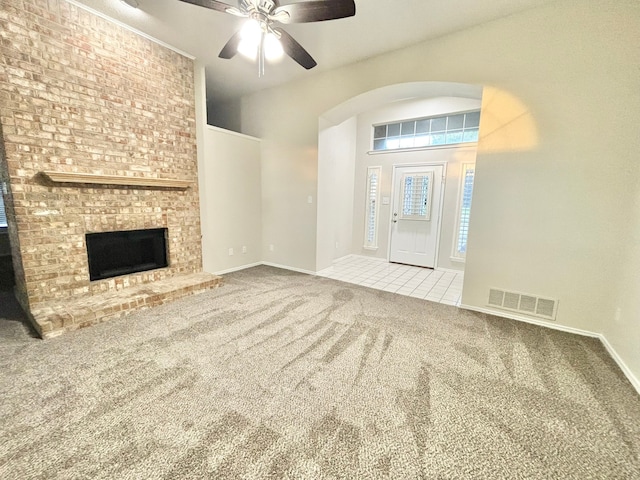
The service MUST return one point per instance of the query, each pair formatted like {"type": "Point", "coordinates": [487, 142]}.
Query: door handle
{"type": "Point", "coordinates": [395, 218]}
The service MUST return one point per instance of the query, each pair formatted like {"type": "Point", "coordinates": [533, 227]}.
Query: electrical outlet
{"type": "Point", "coordinates": [337, 244]}
{"type": "Point", "coordinates": [230, 251]}
{"type": "Point", "coordinates": [244, 249]}
{"type": "Point", "coordinates": [271, 248]}
{"type": "Point", "coordinates": [309, 199]}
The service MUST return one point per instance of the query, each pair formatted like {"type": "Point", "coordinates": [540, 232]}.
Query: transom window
{"type": "Point", "coordinates": [427, 132]}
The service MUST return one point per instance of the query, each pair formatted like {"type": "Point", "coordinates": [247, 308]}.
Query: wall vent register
{"type": "Point", "coordinates": [523, 303]}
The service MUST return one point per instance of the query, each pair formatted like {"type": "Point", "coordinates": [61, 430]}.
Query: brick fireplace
{"type": "Point", "coordinates": [98, 135]}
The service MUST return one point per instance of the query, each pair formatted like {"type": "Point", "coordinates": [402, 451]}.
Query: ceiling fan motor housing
{"type": "Point", "coordinates": [266, 5]}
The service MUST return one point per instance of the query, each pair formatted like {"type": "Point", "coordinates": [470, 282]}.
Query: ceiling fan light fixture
{"type": "Point", "coordinates": [250, 38]}
{"type": "Point", "coordinates": [251, 32]}
{"type": "Point", "coordinates": [273, 50]}
{"type": "Point", "coordinates": [248, 49]}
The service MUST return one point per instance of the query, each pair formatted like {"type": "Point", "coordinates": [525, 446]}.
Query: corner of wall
{"type": "Point", "coordinates": [633, 379]}
{"type": "Point", "coordinates": [201, 121]}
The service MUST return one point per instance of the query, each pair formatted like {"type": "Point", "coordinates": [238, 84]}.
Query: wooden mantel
{"type": "Point", "coordinates": [95, 179]}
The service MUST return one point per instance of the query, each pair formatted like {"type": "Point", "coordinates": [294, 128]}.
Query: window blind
{"type": "Point", "coordinates": [468, 172]}
{"type": "Point", "coordinates": [371, 220]}
{"type": "Point", "coordinates": [3, 215]}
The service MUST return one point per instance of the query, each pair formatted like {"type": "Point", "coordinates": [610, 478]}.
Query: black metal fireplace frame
{"type": "Point", "coordinates": [111, 254]}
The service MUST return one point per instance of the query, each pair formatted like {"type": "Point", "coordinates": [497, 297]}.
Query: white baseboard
{"type": "Point", "coordinates": [522, 318]}
{"type": "Point", "coordinates": [449, 270]}
{"type": "Point", "coordinates": [344, 257]}
{"type": "Point", "coordinates": [367, 257]}
{"type": "Point", "coordinates": [237, 269]}
{"type": "Point", "coordinates": [269, 264]}
{"type": "Point", "coordinates": [286, 267]}
{"type": "Point", "coordinates": [623, 366]}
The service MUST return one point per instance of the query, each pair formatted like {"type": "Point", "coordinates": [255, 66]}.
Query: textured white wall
{"type": "Point", "coordinates": [336, 168]}
{"type": "Point", "coordinates": [556, 161]}
{"type": "Point", "coordinates": [622, 331]}
{"type": "Point", "coordinates": [549, 212]}
{"type": "Point", "coordinates": [230, 191]}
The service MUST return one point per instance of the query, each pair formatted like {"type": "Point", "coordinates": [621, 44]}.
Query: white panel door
{"type": "Point", "coordinates": [415, 217]}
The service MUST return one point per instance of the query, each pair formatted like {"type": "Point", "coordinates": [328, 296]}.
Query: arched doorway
{"type": "Point", "coordinates": [357, 186]}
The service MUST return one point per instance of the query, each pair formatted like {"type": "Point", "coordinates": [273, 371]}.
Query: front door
{"type": "Point", "coordinates": [415, 215]}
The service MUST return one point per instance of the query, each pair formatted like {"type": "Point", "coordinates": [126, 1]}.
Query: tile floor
{"type": "Point", "coordinates": [442, 286]}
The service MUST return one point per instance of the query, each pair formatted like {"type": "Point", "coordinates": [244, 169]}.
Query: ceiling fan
{"type": "Point", "coordinates": [260, 37]}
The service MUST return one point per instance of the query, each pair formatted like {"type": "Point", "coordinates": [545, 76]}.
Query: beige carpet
{"type": "Point", "coordinates": [282, 375]}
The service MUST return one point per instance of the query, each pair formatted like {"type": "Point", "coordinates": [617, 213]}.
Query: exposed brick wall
{"type": "Point", "coordinates": [81, 94]}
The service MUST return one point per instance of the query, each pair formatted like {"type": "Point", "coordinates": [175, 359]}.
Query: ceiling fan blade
{"type": "Point", "coordinates": [295, 50]}
{"type": "Point", "coordinates": [212, 4]}
{"type": "Point", "coordinates": [315, 11]}
{"type": "Point", "coordinates": [237, 12]}
{"type": "Point", "coordinates": [231, 47]}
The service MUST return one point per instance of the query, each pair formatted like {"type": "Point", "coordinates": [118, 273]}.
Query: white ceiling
{"type": "Point", "coordinates": [379, 26]}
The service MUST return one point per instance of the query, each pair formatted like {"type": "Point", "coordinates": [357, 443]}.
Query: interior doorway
{"type": "Point", "coordinates": [359, 239]}
{"type": "Point", "coordinates": [416, 212]}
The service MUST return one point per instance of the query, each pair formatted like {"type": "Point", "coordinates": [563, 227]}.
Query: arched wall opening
{"type": "Point", "coordinates": [344, 146]}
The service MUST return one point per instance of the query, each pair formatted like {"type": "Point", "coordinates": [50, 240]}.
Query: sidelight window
{"type": "Point", "coordinates": [372, 207]}
{"type": "Point", "coordinates": [464, 211]}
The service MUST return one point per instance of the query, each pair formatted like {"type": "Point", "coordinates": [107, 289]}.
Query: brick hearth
{"type": "Point", "coordinates": [52, 318]}
{"type": "Point", "coordinates": [82, 98]}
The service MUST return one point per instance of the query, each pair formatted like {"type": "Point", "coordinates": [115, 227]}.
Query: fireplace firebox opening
{"type": "Point", "coordinates": [119, 253]}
